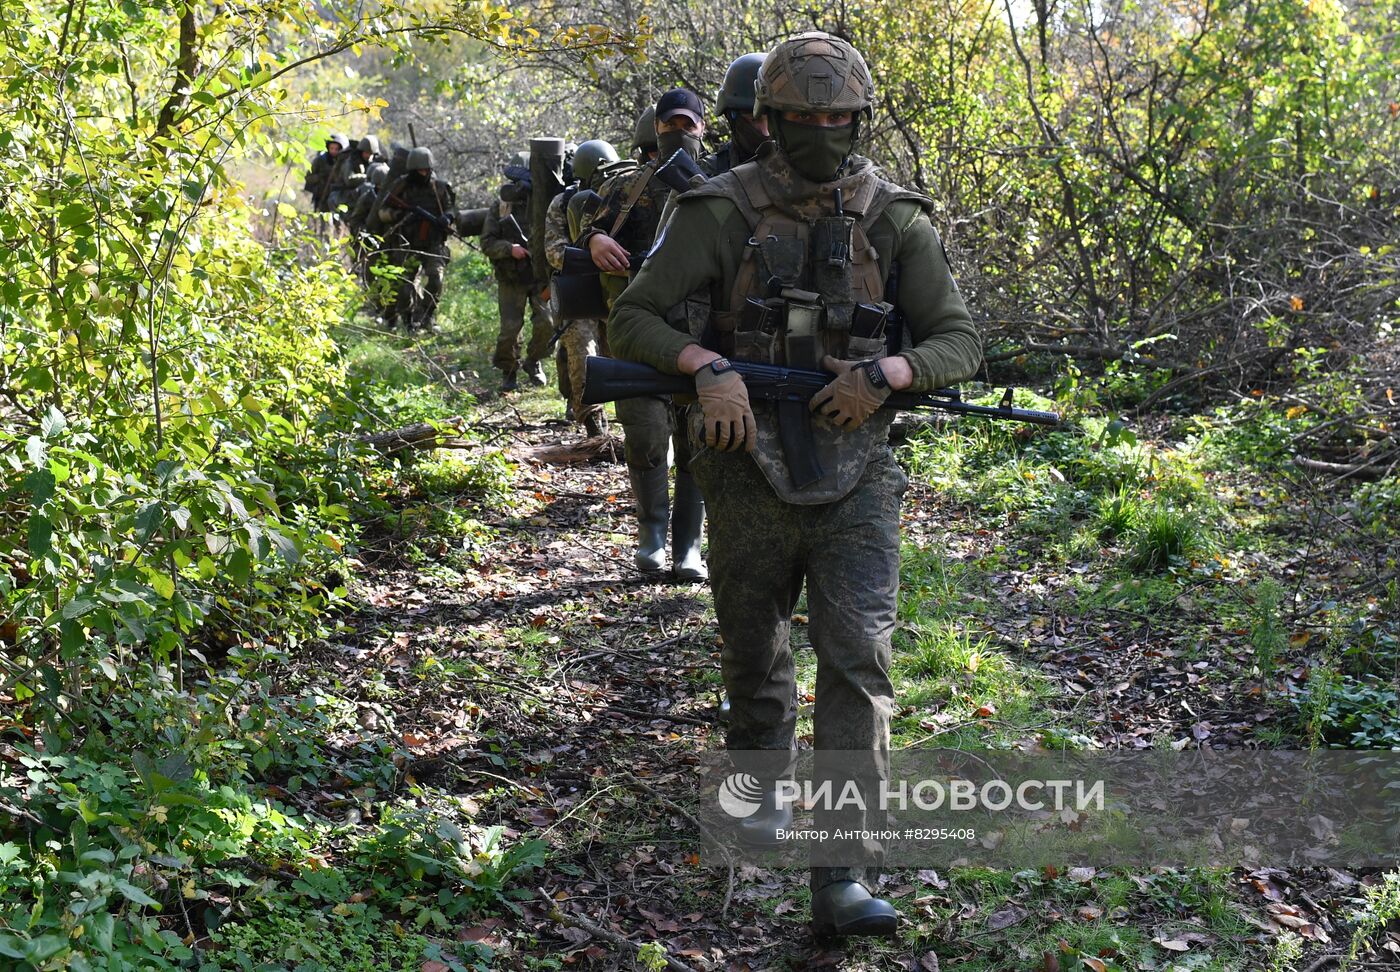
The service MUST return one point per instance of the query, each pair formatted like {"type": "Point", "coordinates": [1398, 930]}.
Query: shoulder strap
{"type": "Point", "coordinates": [639, 185]}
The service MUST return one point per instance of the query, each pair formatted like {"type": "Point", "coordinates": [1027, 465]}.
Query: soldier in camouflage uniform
{"type": "Point", "coordinates": [419, 241]}
{"type": "Point", "coordinates": [515, 287]}
{"type": "Point", "coordinates": [580, 338]}
{"type": "Point", "coordinates": [626, 224]}
{"type": "Point", "coordinates": [318, 178]}
{"type": "Point", "coordinates": [352, 170]}
{"type": "Point", "coordinates": [817, 266]}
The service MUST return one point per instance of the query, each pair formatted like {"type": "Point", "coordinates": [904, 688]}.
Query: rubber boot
{"type": "Point", "coordinates": [846, 908]}
{"type": "Point", "coordinates": [687, 519]}
{"type": "Point", "coordinates": [649, 489]}
{"type": "Point", "coordinates": [760, 828]}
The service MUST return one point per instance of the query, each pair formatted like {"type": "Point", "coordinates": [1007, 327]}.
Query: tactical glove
{"type": "Point", "coordinates": [858, 389]}
{"type": "Point", "coordinates": [724, 402]}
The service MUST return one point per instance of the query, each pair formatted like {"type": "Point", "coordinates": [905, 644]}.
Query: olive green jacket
{"type": "Point", "coordinates": [701, 248]}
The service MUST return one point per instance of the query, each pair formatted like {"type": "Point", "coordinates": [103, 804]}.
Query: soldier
{"type": "Point", "coordinates": [359, 211]}
{"type": "Point", "coordinates": [831, 230]}
{"type": "Point", "coordinates": [318, 178]}
{"type": "Point", "coordinates": [503, 240]}
{"type": "Point", "coordinates": [353, 191]}
{"type": "Point", "coordinates": [352, 170]}
{"type": "Point", "coordinates": [420, 210]}
{"type": "Point", "coordinates": [579, 338]}
{"type": "Point", "coordinates": [747, 131]}
{"type": "Point", "coordinates": [626, 223]}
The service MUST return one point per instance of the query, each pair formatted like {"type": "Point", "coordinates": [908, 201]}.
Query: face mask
{"type": "Point", "coordinates": [668, 142]}
{"type": "Point", "coordinates": [745, 137]}
{"type": "Point", "coordinates": [815, 152]}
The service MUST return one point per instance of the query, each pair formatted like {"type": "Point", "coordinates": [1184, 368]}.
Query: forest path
{"type": "Point", "coordinates": [549, 688]}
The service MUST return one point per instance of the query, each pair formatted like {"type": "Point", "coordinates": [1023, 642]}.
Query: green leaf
{"type": "Point", "coordinates": [74, 215]}
{"type": "Point", "coordinates": [135, 895]}
{"type": "Point", "coordinates": [164, 585]}
{"type": "Point", "coordinates": [77, 607]}
{"type": "Point", "coordinates": [35, 449]}
{"type": "Point", "coordinates": [101, 927]}
{"type": "Point", "coordinates": [41, 484]}
{"type": "Point", "coordinates": [40, 535]}
{"type": "Point", "coordinates": [52, 423]}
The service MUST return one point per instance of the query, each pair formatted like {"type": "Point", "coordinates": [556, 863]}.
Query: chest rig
{"type": "Point", "coordinates": [809, 284]}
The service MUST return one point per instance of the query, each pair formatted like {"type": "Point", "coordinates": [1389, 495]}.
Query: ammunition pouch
{"type": "Point", "coordinates": [579, 287]}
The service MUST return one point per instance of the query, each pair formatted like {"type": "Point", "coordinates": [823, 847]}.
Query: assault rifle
{"type": "Point", "coordinates": [611, 380]}
{"type": "Point", "coordinates": [442, 221]}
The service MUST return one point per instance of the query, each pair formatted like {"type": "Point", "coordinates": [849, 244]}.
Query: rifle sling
{"type": "Point", "coordinates": [639, 186]}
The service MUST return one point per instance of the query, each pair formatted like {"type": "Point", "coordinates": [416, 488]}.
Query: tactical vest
{"type": "Point", "coordinates": [794, 299]}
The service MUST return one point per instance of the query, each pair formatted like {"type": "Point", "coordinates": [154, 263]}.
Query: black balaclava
{"type": "Point", "coordinates": [668, 142]}
{"type": "Point", "coordinates": [744, 138]}
{"type": "Point", "coordinates": [816, 152]}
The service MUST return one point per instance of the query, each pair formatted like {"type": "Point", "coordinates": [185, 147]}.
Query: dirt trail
{"type": "Point", "coordinates": [555, 691]}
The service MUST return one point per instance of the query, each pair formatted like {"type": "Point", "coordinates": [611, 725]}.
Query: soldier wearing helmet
{"type": "Point", "coordinates": [579, 338]}
{"type": "Point", "coordinates": [420, 210]}
{"type": "Point", "coordinates": [747, 131]}
{"type": "Point", "coordinates": [622, 230]}
{"type": "Point", "coordinates": [318, 178]}
{"type": "Point", "coordinates": [352, 170]}
{"type": "Point", "coordinates": [812, 259]}
{"type": "Point", "coordinates": [504, 241]}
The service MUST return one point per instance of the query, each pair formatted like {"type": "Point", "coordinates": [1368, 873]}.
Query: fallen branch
{"type": "Point", "coordinates": [1345, 470]}
{"type": "Point", "coordinates": [598, 931]}
{"type": "Point", "coordinates": [594, 449]}
{"type": "Point", "coordinates": [671, 716]}
{"type": "Point", "coordinates": [420, 435]}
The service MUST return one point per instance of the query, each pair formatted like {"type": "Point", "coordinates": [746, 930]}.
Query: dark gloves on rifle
{"type": "Point", "coordinates": [724, 402]}
{"type": "Point", "coordinates": [854, 395]}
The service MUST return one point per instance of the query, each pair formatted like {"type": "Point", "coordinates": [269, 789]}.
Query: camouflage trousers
{"type": "Point", "coordinates": [651, 427]}
{"type": "Point", "coordinates": [512, 299]}
{"type": "Point", "coordinates": [581, 339]}
{"type": "Point", "coordinates": [762, 550]}
{"type": "Point", "coordinates": [420, 287]}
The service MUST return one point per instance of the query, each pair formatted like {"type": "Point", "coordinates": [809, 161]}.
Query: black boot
{"type": "Point", "coordinates": [845, 908]}
{"type": "Point", "coordinates": [508, 381]}
{"type": "Point", "coordinates": [760, 828]}
{"type": "Point", "coordinates": [687, 518]}
{"type": "Point", "coordinates": [649, 489]}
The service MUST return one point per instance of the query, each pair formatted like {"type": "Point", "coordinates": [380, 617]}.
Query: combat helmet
{"type": "Point", "coordinates": [590, 155]}
{"type": "Point", "coordinates": [419, 157]}
{"type": "Point", "coordinates": [378, 173]}
{"type": "Point", "coordinates": [341, 140]}
{"type": "Point", "coordinates": [370, 143]}
{"type": "Point", "coordinates": [736, 94]}
{"type": "Point", "coordinates": [814, 71]}
{"type": "Point", "coordinates": [645, 136]}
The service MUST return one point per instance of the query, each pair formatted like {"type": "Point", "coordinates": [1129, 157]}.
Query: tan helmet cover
{"type": "Point", "coordinates": [814, 72]}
